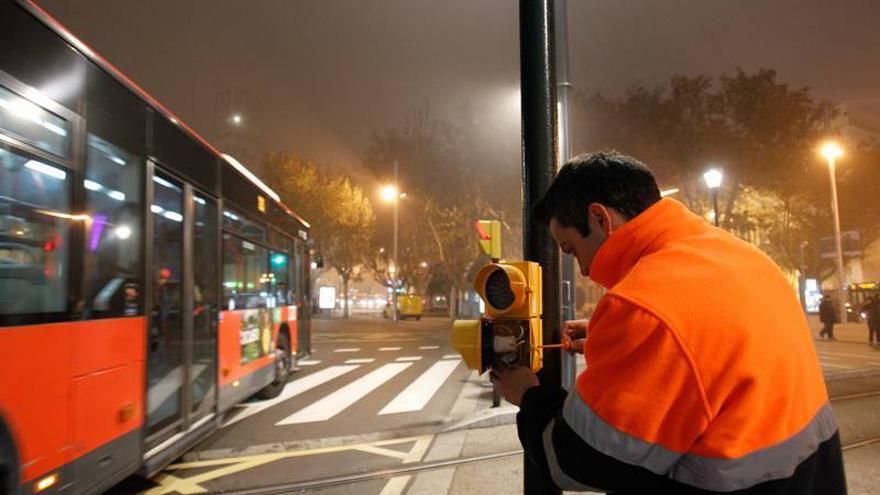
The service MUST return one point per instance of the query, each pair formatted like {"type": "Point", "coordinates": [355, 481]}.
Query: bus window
{"type": "Point", "coordinates": [113, 240]}
{"type": "Point", "coordinates": [166, 328]}
{"type": "Point", "coordinates": [238, 223]}
{"type": "Point", "coordinates": [280, 267]}
{"type": "Point", "coordinates": [34, 235]}
{"type": "Point", "coordinates": [31, 123]}
{"type": "Point", "coordinates": [204, 311]}
{"type": "Point", "coordinates": [245, 279]}
{"type": "Point", "coordinates": [296, 272]}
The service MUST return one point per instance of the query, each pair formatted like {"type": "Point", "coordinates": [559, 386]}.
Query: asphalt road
{"type": "Point", "coordinates": [375, 396]}
{"type": "Point", "coordinates": [372, 396]}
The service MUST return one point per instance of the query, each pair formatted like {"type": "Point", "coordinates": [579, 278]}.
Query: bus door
{"type": "Point", "coordinates": [182, 338]}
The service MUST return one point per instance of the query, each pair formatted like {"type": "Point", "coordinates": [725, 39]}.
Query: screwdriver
{"type": "Point", "coordinates": [564, 345]}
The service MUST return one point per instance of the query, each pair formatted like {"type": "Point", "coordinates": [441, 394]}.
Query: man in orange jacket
{"type": "Point", "coordinates": [701, 372]}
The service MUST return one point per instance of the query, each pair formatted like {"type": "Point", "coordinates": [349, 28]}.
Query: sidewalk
{"type": "Point", "coordinates": [483, 430]}
{"type": "Point", "coordinates": [856, 333]}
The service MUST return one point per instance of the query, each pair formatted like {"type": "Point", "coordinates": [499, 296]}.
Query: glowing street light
{"type": "Point", "coordinates": [713, 178]}
{"type": "Point", "coordinates": [236, 119]}
{"type": "Point", "coordinates": [832, 151]}
{"type": "Point", "coordinates": [389, 193]}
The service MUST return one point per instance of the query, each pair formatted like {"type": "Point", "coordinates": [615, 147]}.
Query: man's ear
{"type": "Point", "coordinates": [599, 216]}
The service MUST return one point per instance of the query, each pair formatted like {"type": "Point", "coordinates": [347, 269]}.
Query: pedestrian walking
{"type": "Point", "coordinates": [872, 314]}
{"type": "Point", "coordinates": [828, 316]}
{"type": "Point", "coordinates": [685, 390]}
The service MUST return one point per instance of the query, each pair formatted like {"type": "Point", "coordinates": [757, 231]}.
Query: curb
{"type": "Point", "coordinates": [486, 418]}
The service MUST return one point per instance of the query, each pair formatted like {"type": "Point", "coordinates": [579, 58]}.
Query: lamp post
{"type": "Point", "coordinates": [832, 151]}
{"type": "Point", "coordinates": [390, 193]}
{"type": "Point", "coordinates": [713, 179]}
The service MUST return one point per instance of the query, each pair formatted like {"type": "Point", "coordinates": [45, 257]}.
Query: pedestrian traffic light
{"type": "Point", "coordinates": [490, 238]}
{"type": "Point", "coordinates": [510, 333]}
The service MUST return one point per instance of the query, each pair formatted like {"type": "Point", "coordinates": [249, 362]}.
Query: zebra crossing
{"type": "Point", "coordinates": [404, 378]}
{"type": "Point", "coordinates": [835, 357]}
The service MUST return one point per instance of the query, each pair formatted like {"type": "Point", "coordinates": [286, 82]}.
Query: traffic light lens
{"type": "Point", "coordinates": [498, 292]}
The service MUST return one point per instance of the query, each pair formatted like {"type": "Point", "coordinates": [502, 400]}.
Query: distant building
{"type": "Point", "coordinates": [239, 127]}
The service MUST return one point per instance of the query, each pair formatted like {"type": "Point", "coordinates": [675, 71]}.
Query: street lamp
{"type": "Point", "coordinates": [391, 194]}
{"type": "Point", "coordinates": [832, 151]}
{"type": "Point", "coordinates": [713, 179]}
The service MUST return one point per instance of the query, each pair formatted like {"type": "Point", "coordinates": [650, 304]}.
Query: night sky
{"type": "Point", "coordinates": [331, 72]}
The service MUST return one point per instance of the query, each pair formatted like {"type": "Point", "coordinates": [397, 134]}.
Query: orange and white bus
{"type": "Point", "coordinates": [148, 283]}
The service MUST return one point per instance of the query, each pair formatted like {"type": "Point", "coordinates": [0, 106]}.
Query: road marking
{"type": "Point", "coordinates": [293, 389]}
{"type": "Point", "coordinates": [416, 396]}
{"type": "Point", "coordinates": [408, 358]}
{"type": "Point", "coordinates": [428, 347]}
{"type": "Point", "coordinates": [395, 485]}
{"type": "Point", "coordinates": [341, 399]}
{"type": "Point", "coordinates": [389, 348]}
{"type": "Point", "coordinates": [359, 361]}
{"type": "Point", "coordinates": [832, 365]}
{"type": "Point", "coordinates": [451, 356]}
{"type": "Point", "coordinates": [347, 349]}
{"type": "Point", "coordinates": [308, 362]}
{"type": "Point", "coordinates": [865, 358]}
{"type": "Point", "coordinates": [175, 484]}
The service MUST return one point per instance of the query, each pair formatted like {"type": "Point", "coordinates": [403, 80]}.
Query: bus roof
{"type": "Point", "coordinates": [96, 58]}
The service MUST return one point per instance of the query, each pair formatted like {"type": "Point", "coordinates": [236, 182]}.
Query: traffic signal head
{"type": "Point", "coordinates": [510, 290]}
{"type": "Point", "coordinates": [490, 237]}
{"type": "Point", "coordinates": [510, 333]}
{"type": "Point", "coordinates": [490, 342]}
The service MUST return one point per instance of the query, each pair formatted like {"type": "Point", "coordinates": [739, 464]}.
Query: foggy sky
{"type": "Point", "coordinates": [331, 72]}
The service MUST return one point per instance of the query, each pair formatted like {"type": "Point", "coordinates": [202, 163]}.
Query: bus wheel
{"type": "Point", "coordinates": [283, 363]}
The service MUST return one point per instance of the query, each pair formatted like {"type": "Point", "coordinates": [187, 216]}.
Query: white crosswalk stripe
{"type": "Point", "coordinates": [336, 402]}
{"type": "Point", "coordinates": [451, 356]}
{"type": "Point", "coordinates": [308, 362]}
{"type": "Point", "coordinates": [359, 361]}
{"type": "Point", "coordinates": [428, 347]}
{"type": "Point", "coordinates": [347, 349]}
{"type": "Point", "coordinates": [293, 389]}
{"type": "Point", "coordinates": [408, 358]}
{"type": "Point", "coordinates": [418, 393]}
{"type": "Point", "coordinates": [389, 348]}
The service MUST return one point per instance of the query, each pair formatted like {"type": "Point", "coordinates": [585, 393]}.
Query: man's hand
{"type": "Point", "coordinates": [575, 331]}
{"type": "Point", "coordinates": [512, 383]}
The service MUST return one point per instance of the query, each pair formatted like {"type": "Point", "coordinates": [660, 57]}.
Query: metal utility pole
{"type": "Point", "coordinates": [838, 244]}
{"type": "Point", "coordinates": [715, 204]}
{"type": "Point", "coordinates": [538, 87]}
{"type": "Point", "coordinates": [394, 275]}
{"type": "Point", "coordinates": [569, 282]}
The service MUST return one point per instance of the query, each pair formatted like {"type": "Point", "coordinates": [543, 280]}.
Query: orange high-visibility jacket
{"type": "Point", "coordinates": [701, 367]}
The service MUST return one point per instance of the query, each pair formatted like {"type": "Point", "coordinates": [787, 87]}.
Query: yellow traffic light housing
{"type": "Point", "coordinates": [510, 290]}
{"type": "Point", "coordinates": [510, 333]}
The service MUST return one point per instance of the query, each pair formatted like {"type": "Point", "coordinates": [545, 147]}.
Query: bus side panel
{"type": "Point", "coordinates": [35, 393]}
{"type": "Point", "coordinates": [239, 381]}
{"type": "Point", "coordinates": [290, 315]}
{"type": "Point", "coordinates": [229, 347]}
{"type": "Point", "coordinates": [108, 394]}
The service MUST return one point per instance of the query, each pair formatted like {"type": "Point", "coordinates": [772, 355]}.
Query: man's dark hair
{"type": "Point", "coordinates": [609, 178]}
